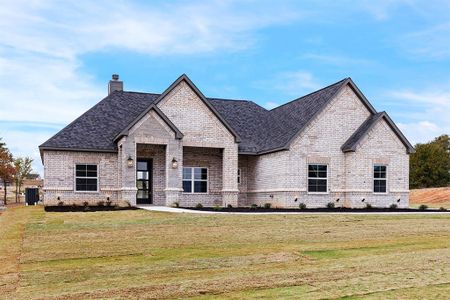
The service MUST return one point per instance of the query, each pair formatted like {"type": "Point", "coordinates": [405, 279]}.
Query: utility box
{"type": "Point", "coordinates": [31, 196]}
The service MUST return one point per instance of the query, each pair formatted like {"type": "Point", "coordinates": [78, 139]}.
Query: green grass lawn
{"type": "Point", "coordinates": [141, 254]}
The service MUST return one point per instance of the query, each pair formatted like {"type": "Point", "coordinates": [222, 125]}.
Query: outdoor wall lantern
{"type": "Point", "coordinates": [174, 163]}
{"type": "Point", "coordinates": [130, 161]}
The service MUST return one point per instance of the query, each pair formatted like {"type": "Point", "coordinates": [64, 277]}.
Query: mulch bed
{"type": "Point", "coordinates": [86, 208]}
{"type": "Point", "coordinates": [312, 210]}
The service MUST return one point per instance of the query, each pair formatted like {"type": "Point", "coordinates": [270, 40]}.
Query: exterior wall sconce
{"type": "Point", "coordinates": [130, 161]}
{"type": "Point", "coordinates": [174, 163]}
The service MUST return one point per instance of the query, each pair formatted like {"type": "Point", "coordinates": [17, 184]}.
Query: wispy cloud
{"type": "Point", "coordinates": [41, 43]}
{"type": "Point", "coordinates": [337, 60]}
{"type": "Point", "coordinates": [290, 83]}
{"type": "Point", "coordinates": [428, 111]}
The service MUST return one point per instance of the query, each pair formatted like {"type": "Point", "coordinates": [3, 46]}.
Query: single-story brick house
{"type": "Point", "coordinates": [180, 146]}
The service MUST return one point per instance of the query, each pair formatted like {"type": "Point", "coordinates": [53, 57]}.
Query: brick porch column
{"type": "Point", "coordinates": [230, 189]}
{"type": "Point", "coordinates": [174, 183]}
{"type": "Point", "coordinates": [128, 174]}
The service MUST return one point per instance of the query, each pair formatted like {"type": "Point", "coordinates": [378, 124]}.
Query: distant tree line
{"type": "Point", "coordinates": [13, 170]}
{"type": "Point", "coordinates": [430, 164]}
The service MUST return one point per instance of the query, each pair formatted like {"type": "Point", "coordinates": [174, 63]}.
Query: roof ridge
{"type": "Point", "coordinates": [309, 94]}
{"type": "Point", "coordinates": [134, 92]}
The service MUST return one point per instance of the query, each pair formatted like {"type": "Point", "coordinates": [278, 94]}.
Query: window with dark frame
{"type": "Point", "coordinates": [317, 178]}
{"type": "Point", "coordinates": [379, 179]}
{"type": "Point", "coordinates": [86, 178]}
{"type": "Point", "coordinates": [239, 176]}
{"type": "Point", "coordinates": [195, 180]}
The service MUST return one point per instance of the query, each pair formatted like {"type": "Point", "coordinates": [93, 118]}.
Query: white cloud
{"type": "Point", "coordinates": [292, 83]}
{"type": "Point", "coordinates": [337, 60]}
{"type": "Point", "coordinates": [41, 43]}
{"type": "Point", "coordinates": [270, 105]}
{"type": "Point", "coordinates": [427, 112]}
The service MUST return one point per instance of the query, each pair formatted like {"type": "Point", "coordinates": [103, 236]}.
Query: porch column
{"type": "Point", "coordinates": [230, 189]}
{"type": "Point", "coordinates": [174, 184]}
{"type": "Point", "coordinates": [128, 174]}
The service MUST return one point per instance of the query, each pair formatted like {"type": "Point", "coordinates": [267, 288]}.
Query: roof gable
{"type": "Point", "coordinates": [186, 79]}
{"type": "Point", "coordinates": [351, 144]}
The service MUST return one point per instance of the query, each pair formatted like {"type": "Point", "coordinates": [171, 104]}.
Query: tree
{"type": "Point", "coordinates": [7, 169]}
{"type": "Point", "coordinates": [23, 168]}
{"type": "Point", "coordinates": [430, 164]}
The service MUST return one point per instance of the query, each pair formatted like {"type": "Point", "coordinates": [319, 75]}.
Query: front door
{"type": "Point", "coordinates": [144, 181]}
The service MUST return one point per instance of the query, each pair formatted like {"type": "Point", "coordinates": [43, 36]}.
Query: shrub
{"type": "Point", "coordinates": [368, 206]}
{"type": "Point", "coordinates": [254, 206]}
{"type": "Point", "coordinates": [267, 205]}
{"type": "Point", "coordinates": [60, 203]}
{"type": "Point", "coordinates": [423, 207]}
{"type": "Point", "coordinates": [442, 208]}
{"type": "Point", "coordinates": [393, 206]}
{"type": "Point", "coordinates": [217, 207]}
{"type": "Point", "coordinates": [199, 205]}
{"type": "Point", "coordinates": [85, 203]}
{"type": "Point", "coordinates": [176, 204]}
{"type": "Point", "coordinates": [302, 206]}
{"type": "Point", "coordinates": [230, 206]}
{"type": "Point", "coordinates": [100, 203]}
{"type": "Point", "coordinates": [108, 203]}
{"type": "Point", "coordinates": [330, 205]}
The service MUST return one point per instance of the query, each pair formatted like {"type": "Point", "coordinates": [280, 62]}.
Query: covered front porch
{"type": "Point", "coordinates": [166, 175]}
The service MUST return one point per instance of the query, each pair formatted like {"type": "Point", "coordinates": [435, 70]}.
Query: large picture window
{"type": "Point", "coordinates": [195, 180]}
{"type": "Point", "coordinates": [86, 178]}
{"type": "Point", "coordinates": [379, 179]}
{"type": "Point", "coordinates": [317, 178]}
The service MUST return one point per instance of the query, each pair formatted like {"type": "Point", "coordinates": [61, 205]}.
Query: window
{"type": "Point", "coordinates": [86, 178]}
{"type": "Point", "coordinates": [195, 180]}
{"type": "Point", "coordinates": [239, 176]}
{"type": "Point", "coordinates": [379, 179]}
{"type": "Point", "coordinates": [317, 178]}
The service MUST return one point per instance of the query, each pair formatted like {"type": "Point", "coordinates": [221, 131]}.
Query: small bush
{"type": "Point", "coordinates": [199, 205]}
{"type": "Point", "coordinates": [393, 206]}
{"type": "Point", "coordinates": [217, 207]}
{"type": "Point", "coordinates": [267, 205]}
{"type": "Point", "coordinates": [60, 203]}
{"type": "Point", "coordinates": [368, 206]}
{"type": "Point", "coordinates": [302, 206]}
{"type": "Point", "coordinates": [442, 208]}
{"type": "Point", "coordinates": [176, 204]}
{"type": "Point", "coordinates": [100, 203]}
{"type": "Point", "coordinates": [230, 206]}
{"type": "Point", "coordinates": [330, 205]}
{"type": "Point", "coordinates": [423, 207]}
{"type": "Point", "coordinates": [108, 203]}
{"type": "Point", "coordinates": [85, 203]}
{"type": "Point", "coordinates": [254, 206]}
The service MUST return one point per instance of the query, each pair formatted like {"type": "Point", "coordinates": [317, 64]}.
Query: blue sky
{"type": "Point", "coordinates": [57, 57]}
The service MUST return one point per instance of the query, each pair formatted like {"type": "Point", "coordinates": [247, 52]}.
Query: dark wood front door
{"type": "Point", "coordinates": [144, 180]}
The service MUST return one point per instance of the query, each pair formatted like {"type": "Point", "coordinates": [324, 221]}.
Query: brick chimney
{"type": "Point", "coordinates": [115, 84]}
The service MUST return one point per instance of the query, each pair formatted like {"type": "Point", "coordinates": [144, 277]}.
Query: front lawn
{"type": "Point", "coordinates": [141, 254]}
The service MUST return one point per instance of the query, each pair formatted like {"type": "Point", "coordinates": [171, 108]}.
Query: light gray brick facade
{"type": "Point", "coordinates": [279, 178]}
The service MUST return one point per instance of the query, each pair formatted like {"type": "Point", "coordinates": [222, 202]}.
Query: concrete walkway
{"type": "Point", "coordinates": [192, 211]}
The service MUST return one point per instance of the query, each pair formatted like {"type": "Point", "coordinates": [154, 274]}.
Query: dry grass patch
{"type": "Point", "coordinates": [141, 254]}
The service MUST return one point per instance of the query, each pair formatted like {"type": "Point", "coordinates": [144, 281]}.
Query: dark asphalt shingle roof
{"type": "Point", "coordinates": [260, 130]}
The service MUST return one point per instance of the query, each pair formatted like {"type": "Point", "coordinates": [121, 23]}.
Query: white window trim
{"type": "Point", "coordinates": [75, 179]}
{"type": "Point", "coordinates": [385, 179]}
{"type": "Point", "coordinates": [239, 176]}
{"type": "Point", "coordinates": [193, 181]}
{"type": "Point", "coordinates": [307, 179]}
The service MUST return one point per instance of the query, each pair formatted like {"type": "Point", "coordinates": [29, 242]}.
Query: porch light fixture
{"type": "Point", "coordinates": [174, 163]}
{"type": "Point", "coordinates": [130, 161]}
